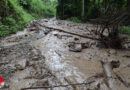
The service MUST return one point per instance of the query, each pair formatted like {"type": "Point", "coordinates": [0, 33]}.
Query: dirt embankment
{"type": "Point", "coordinates": [59, 55]}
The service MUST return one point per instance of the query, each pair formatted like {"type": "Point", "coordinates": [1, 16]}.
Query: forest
{"type": "Point", "coordinates": [64, 44]}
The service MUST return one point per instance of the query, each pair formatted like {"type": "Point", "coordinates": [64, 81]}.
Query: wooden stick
{"type": "Point", "coordinates": [57, 86]}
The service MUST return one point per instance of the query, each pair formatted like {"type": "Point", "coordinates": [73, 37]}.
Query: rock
{"type": "Point", "coordinates": [129, 45]}
{"type": "Point", "coordinates": [75, 47]}
{"type": "Point", "coordinates": [100, 45]}
{"type": "Point", "coordinates": [112, 51]}
{"type": "Point", "coordinates": [21, 64]}
{"type": "Point", "coordinates": [58, 36]}
{"type": "Point", "coordinates": [85, 45]}
{"type": "Point", "coordinates": [35, 58]}
{"type": "Point", "coordinates": [127, 56]}
{"type": "Point", "coordinates": [115, 64]}
{"type": "Point", "coordinates": [35, 51]}
{"type": "Point", "coordinates": [0, 49]}
{"type": "Point", "coordinates": [76, 39]}
{"type": "Point", "coordinates": [92, 43]}
{"type": "Point", "coordinates": [46, 31]}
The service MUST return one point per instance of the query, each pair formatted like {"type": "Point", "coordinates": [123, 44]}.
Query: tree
{"type": "Point", "coordinates": [3, 8]}
{"type": "Point", "coordinates": [60, 9]}
{"type": "Point", "coordinates": [128, 6]}
{"type": "Point", "coordinates": [83, 7]}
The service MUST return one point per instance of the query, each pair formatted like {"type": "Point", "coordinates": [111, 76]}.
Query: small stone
{"type": "Point", "coordinates": [75, 47]}
{"type": "Point", "coordinates": [35, 51]}
{"type": "Point", "coordinates": [35, 58]}
{"type": "Point", "coordinates": [0, 49]}
{"type": "Point", "coordinates": [112, 51]}
{"type": "Point", "coordinates": [76, 39]}
{"type": "Point", "coordinates": [58, 36]}
{"type": "Point", "coordinates": [129, 45]}
{"type": "Point", "coordinates": [100, 45]}
{"type": "Point", "coordinates": [85, 45]}
{"type": "Point", "coordinates": [115, 64]}
{"type": "Point", "coordinates": [21, 64]}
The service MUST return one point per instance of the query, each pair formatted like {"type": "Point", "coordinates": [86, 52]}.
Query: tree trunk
{"type": "Point", "coordinates": [128, 6]}
{"type": "Point", "coordinates": [83, 10]}
{"type": "Point", "coordinates": [128, 11]}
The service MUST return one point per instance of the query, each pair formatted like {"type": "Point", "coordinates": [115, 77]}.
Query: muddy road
{"type": "Point", "coordinates": [53, 54]}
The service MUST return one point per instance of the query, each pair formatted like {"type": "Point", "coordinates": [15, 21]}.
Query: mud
{"type": "Point", "coordinates": [46, 57]}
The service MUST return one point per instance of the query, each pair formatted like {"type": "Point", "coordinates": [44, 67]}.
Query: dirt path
{"type": "Point", "coordinates": [45, 57]}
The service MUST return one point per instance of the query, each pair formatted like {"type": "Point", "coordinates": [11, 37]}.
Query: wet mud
{"type": "Point", "coordinates": [43, 58]}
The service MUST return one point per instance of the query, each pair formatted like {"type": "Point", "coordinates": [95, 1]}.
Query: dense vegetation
{"type": "Point", "coordinates": [15, 14]}
{"type": "Point", "coordinates": [86, 10]}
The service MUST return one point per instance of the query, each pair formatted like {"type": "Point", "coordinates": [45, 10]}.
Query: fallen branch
{"type": "Point", "coordinates": [61, 30]}
{"type": "Point", "coordinates": [57, 86]}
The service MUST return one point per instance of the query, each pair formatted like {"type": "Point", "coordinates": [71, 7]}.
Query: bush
{"type": "Point", "coordinates": [4, 30]}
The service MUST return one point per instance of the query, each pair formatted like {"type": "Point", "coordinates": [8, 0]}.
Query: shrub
{"type": "Point", "coordinates": [4, 30]}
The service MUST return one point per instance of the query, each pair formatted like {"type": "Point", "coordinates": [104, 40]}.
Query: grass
{"type": "Point", "coordinates": [74, 19]}
{"type": "Point", "coordinates": [125, 29]}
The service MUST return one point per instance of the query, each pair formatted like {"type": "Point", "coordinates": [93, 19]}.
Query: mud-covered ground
{"type": "Point", "coordinates": [56, 55]}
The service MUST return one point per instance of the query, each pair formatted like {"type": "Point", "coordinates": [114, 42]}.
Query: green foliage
{"type": "Point", "coordinates": [74, 19]}
{"type": "Point", "coordinates": [93, 8]}
{"type": "Point", "coordinates": [39, 8]}
{"type": "Point", "coordinates": [9, 26]}
{"type": "Point", "coordinates": [19, 11]}
{"type": "Point", "coordinates": [4, 30]}
{"type": "Point", "coordinates": [9, 21]}
{"type": "Point", "coordinates": [24, 3]}
{"type": "Point", "coordinates": [125, 29]}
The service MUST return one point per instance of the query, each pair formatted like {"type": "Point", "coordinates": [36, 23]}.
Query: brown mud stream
{"type": "Point", "coordinates": [40, 56]}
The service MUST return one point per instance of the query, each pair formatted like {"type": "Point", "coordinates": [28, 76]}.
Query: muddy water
{"type": "Point", "coordinates": [49, 60]}
{"type": "Point", "coordinates": [56, 57]}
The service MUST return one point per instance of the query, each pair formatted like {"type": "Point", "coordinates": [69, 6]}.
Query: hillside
{"type": "Point", "coordinates": [15, 14]}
